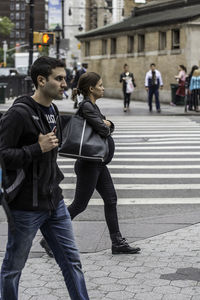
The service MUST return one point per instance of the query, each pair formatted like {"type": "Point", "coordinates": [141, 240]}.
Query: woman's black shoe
{"type": "Point", "coordinates": [121, 246]}
{"type": "Point", "coordinates": [46, 247]}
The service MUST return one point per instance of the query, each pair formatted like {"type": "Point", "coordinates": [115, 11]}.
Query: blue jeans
{"type": "Point", "coordinates": [57, 229]}
{"type": "Point", "coordinates": [153, 91]}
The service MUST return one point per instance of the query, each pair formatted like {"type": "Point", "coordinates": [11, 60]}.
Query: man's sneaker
{"type": "Point", "coordinates": [46, 247]}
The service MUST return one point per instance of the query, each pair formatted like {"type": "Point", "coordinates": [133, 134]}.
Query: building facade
{"type": "Point", "coordinates": [18, 11]}
{"type": "Point", "coordinates": [74, 19]}
{"type": "Point", "coordinates": [164, 32]}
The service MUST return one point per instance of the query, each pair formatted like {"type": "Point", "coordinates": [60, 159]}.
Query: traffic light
{"type": "Point", "coordinates": [43, 38]}
{"type": "Point", "coordinates": [37, 37]}
{"type": "Point", "coordinates": [48, 38]}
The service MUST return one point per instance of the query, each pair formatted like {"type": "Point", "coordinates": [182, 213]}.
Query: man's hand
{"type": "Point", "coordinates": [161, 87]}
{"type": "Point", "coordinates": [48, 141]}
{"type": "Point", "coordinates": [147, 89]}
{"type": "Point", "coordinates": [107, 123]}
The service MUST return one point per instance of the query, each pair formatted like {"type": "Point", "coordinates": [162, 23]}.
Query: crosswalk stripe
{"type": "Point", "coordinates": [142, 201]}
{"type": "Point", "coordinates": [180, 186]}
{"type": "Point", "coordinates": [127, 167]}
{"type": "Point", "coordinates": [145, 175]}
{"type": "Point", "coordinates": [148, 159]}
{"type": "Point", "coordinates": [157, 153]}
{"type": "Point", "coordinates": [156, 147]}
{"type": "Point", "coordinates": [164, 145]}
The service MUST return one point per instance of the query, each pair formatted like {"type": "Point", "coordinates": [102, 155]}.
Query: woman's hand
{"type": "Point", "coordinates": [107, 123]}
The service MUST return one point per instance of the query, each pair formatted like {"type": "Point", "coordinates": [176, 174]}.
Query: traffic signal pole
{"type": "Point", "coordinates": [31, 29]}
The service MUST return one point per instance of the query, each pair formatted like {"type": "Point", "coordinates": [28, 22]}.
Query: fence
{"type": "Point", "coordinates": [16, 85]}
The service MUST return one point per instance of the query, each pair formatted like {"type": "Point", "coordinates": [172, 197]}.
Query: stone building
{"type": "Point", "coordinates": [164, 32]}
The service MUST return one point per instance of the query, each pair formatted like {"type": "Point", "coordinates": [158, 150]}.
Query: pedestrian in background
{"type": "Point", "coordinates": [128, 85]}
{"type": "Point", "coordinates": [181, 78]}
{"type": "Point", "coordinates": [153, 81]}
{"type": "Point", "coordinates": [195, 89]}
{"type": "Point", "coordinates": [39, 203]}
{"type": "Point", "coordinates": [95, 175]}
{"type": "Point", "coordinates": [79, 72]}
{"type": "Point", "coordinates": [187, 87]}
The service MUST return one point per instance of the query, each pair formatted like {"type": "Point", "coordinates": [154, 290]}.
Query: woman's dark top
{"type": "Point", "coordinates": [92, 114]}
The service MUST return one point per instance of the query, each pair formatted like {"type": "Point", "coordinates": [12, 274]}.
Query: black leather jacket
{"type": "Point", "coordinates": [94, 117]}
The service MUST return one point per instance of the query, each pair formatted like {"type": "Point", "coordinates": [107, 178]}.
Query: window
{"type": "Point", "coordinates": [162, 40]}
{"type": "Point", "coordinates": [23, 34]}
{"type": "Point", "coordinates": [141, 43]}
{"type": "Point", "coordinates": [104, 47]}
{"type": "Point", "coordinates": [130, 44]}
{"type": "Point", "coordinates": [17, 25]}
{"type": "Point", "coordinates": [113, 46]}
{"type": "Point", "coordinates": [22, 6]}
{"type": "Point", "coordinates": [12, 16]}
{"type": "Point", "coordinates": [22, 16]}
{"type": "Point", "coordinates": [176, 39]}
{"type": "Point", "coordinates": [17, 34]}
{"type": "Point", "coordinates": [17, 16]}
{"type": "Point", "coordinates": [17, 6]}
{"type": "Point", "coordinates": [87, 48]}
{"type": "Point", "coordinates": [12, 6]}
{"type": "Point", "coordinates": [12, 34]}
{"type": "Point", "coordinates": [22, 24]}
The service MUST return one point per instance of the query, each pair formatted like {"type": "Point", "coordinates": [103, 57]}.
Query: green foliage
{"type": "Point", "coordinates": [6, 26]}
{"type": "Point", "coordinates": [9, 59]}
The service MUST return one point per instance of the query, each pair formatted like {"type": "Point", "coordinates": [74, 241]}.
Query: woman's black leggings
{"type": "Point", "coordinates": [91, 176]}
{"type": "Point", "coordinates": [127, 98]}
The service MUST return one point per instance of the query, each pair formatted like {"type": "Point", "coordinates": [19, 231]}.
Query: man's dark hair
{"type": "Point", "coordinates": [152, 65]}
{"type": "Point", "coordinates": [43, 66]}
{"type": "Point", "coordinates": [125, 65]}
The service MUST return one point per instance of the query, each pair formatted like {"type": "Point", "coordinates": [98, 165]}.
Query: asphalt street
{"type": "Point", "coordinates": [155, 171]}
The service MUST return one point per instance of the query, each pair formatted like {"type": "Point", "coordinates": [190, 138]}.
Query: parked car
{"type": "Point", "coordinates": [8, 72]}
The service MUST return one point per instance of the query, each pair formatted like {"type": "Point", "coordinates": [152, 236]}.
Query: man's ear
{"type": "Point", "coordinates": [41, 80]}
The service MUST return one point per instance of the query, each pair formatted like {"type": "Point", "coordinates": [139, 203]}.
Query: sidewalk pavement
{"type": "Point", "coordinates": [115, 107]}
{"type": "Point", "coordinates": [167, 268]}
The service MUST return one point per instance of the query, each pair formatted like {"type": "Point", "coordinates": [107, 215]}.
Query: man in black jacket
{"type": "Point", "coordinates": [29, 138]}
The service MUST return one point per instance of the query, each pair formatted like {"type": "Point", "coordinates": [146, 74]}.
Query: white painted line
{"type": "Point", "coordinates": [127, 167]}
{"type": "Point", "coordinates": [158, 153]}
{"type": "Point", "coordinates": [142, 201]}
{"type": "Point", "coordinates": [122, 159]}
{"type": "Point", "coordinates": [181, 186]}
{"type": "Point", "coordinates": [156, 135]}
{"type": "Point", "coordinates": [156, 159]}
{"type": "Point", "coordinates": [146, 175]}
{"type": "Point", "coordinates": [156, 147]}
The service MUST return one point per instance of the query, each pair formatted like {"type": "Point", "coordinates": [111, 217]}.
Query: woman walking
{"type": "Point", "coordinates": [181, 78]}
{"type": "Point", "coordinates": [95, 175]}
{"type": "Point", "coordinates": [128, 85]}
{"type": "Point", "coordinates": [194, 89]}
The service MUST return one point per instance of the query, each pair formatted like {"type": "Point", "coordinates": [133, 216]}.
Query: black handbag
{"type": "Point", "coordinates": [81, 141]}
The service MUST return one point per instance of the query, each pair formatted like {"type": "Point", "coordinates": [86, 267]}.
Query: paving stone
{"type": "Point", "coordinates": [120, 295]}
{"type": "Point", "coordinates": [148, 296]}
{"type": "Point", "coordinates": [36, 291]}
{"type": "Point", "coordinates": [112, 287]}
{"type": "Point", "coordinates": [193, 291]}
{"type": "Point", "coordinates": [139, 288]}
{"type": "Point", "coordinates": [177, 297]}
{"type": "Point", "coordinates": [32, 283]}
{"type": "Point", "coordinates": [102, 280]}
{"type": "Point", "coordinates": [167, 290]}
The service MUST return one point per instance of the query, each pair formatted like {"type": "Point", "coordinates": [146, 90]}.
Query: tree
{"type": "Point", "coordinates": [6, 26]}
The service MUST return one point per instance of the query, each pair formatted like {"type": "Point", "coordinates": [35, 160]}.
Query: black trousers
{"type": "Point", "coordinates": [91, 176]}
{"type": "Point", "coordinates": [127, 98]}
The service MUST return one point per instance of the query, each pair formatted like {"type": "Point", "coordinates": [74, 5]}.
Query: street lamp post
{"type": "Point", "coordinates": [58, 31]}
